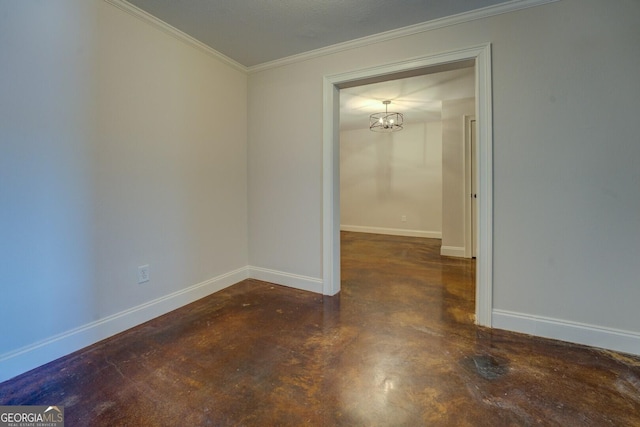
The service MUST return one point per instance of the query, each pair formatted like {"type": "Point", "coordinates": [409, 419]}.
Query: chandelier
{"type": "Point", "coordinates": [385, 122]}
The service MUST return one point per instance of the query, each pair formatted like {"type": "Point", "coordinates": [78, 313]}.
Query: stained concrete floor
{"type": "Point", "coordinates": [397, 347]}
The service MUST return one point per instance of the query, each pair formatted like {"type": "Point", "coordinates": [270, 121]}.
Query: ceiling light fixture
{"type": "Point", "coordinates": [385, 122]}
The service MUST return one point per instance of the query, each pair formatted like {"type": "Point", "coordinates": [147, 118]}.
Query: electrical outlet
{"type": "Point", "coordinates": [143, 273]}
{"type": "Point", "coordinates": [403, 218]}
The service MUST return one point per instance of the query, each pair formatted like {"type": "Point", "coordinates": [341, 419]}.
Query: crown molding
{"type": "Point", "coordinates": [499, 9]}
{"type": "Point", "coordinates": [174, 32]}
{"type": "Point", "coordinates": [447, 21]}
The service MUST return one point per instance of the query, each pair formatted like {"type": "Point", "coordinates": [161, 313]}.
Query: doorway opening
{"type": "Point", "coordinates": [394, 183]}
{"type": "Point", "coordinates": [480, 56]}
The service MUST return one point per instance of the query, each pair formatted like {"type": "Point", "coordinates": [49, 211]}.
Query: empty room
{"type": "Point", "coordinates": [211, 215]}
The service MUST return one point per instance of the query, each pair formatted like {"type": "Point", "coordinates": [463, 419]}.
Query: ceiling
{"type": "Point", "coordinates": [253, 32]}
{"type": "Point", "coordinates": [418, 98]}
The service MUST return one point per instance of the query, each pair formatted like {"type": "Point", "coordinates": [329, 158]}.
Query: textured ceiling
{"type": "Point", "coordinates": [253, 32]}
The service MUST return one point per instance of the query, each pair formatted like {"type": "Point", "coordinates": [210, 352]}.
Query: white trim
{"type": "Point", "coordinates": [468, 179]}
{"type": "Point", "coordinates": [296, 281]}
{"type": "Point", "coordinates": [484, 144]}
{"type": "Point", "coordinates": [447, 21]}
{"type": "Point", "coordinates": [174, 32]}
{"type": "Point", "coordinates": [457, 251]}
{"type": "Point", "coordinates": [24, 359]}
{"type": "Point", "coordinates": [574, 332]}
{"type": "Point", "coordinates": [392, 231]}
{"type": "Point", "coordinates": [331, 165]}
{"type": "Point", "coordinates": [330, 189]}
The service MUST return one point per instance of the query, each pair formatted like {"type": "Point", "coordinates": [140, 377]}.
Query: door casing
{"type": "Point", "coordinates": [481, 54]}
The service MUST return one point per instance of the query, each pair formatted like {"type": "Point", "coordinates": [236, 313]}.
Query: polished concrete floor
{"type": "Point", "coordinates": [397, 347]}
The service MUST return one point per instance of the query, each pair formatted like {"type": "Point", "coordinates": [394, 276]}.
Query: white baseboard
{"type": "Point", "coordinates": [392, 231]}
{"type": "Point", "coordinates": [304, 283]}
{"type": "Point", "coordinates": [24, 359]}
{"type": "Point", "coordinates": [574, 332]}
{"type": "Point", "coordinates": [457, 251]}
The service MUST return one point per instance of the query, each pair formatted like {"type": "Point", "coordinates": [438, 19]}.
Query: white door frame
{"type": "Point", "coordinates": [470, 180]}
{"type": "Point", "coordinates": [331, 166]}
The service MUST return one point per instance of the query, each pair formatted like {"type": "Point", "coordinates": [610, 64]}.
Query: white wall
{"type": "Point", "coordinates": [120, 146]}
{"type": "Point", "coordinates": [565, 154]}
{"type": "Point", "coordinates": [453, 174]}
{"type": "Point", "coordinates": [284, 163]}
{"type": "Point", "coordinates": [385, 176]}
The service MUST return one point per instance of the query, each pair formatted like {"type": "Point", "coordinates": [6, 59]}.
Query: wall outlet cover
{"type": "Point", "coordinates": [143, 273]}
